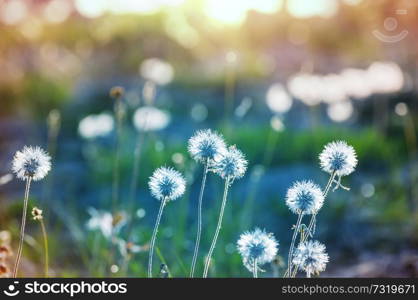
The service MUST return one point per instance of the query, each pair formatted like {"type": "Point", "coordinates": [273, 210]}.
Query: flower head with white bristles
{"type": "Point", "coordinates": [338, 157]}
{"type": "Point", "coordinates": [167, 183]}
{"type": "Point", "coordinates": [257, 246]}
{"type": "Point", "coordinates": [206, 145]}
{"type": "Point", "coordinates": [231, 165]}
{"type": "Point", "coordinates": [304, 197]}
{"type": "Point", "coordinates": [31, 162]}
{"type": "Point", "coordinates": [311, 257]}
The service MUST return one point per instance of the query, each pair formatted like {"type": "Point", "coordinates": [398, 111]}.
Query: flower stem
{"type": "Point", "coordinates": [218, 229]}
{"type": "Point", "coordinates": [313, 218]}
{"type": "Point", "coordinates": [255, 269]}
{"type": "Point", "coordinates": [199, 220]}
{"type": "Point", "coordinates": [154, 237]}
{"type": "Point", "coordinates": [115, 183]}
{"type": "Point", "coordinates": [292, 245]}
{"type": "Point", "coordinates": [45, 237]}
{"type": "Point", "coordinates": [22, 227]}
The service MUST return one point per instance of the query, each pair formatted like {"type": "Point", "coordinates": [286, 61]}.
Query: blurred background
{"type": "Point", "coordinates": [278, 78]}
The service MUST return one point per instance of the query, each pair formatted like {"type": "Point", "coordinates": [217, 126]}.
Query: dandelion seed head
{"type": "Point", "coordinates": [304, 197]}
{"type": "Point", "coordinates": [311, 257]}
{"type": "Point", "coordinates": [338, 157]}
{"type": "Point", "coordinates": [232, 164]}
{"type": "Point", "coordinates": [257, 245]}
{"type": "Point", "coordinates": [31, 162]}
{"type": "Point", "coordinates": [167, 183]}
{"type": "Point", "coordinates": [206, 145]}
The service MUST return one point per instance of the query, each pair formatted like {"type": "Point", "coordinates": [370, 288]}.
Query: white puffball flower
{"type": "Point", "coordinates": [149, 118]}
{"type": "Point", "coordinates": [277, 99]}
{"type": "Point", "coordinates": [157, 70]}
{"type": "Point", "coordinates": [311, 257]}
{"type": "Point", "coordinates": [257, 246]}
{"type": "Point", "coordinates": [31, 162]}
{"type": "Point", "coordinates": [232, 164]}
{"type": "Point", "coordinates": [94, 126]}
{"type": "Point", "coordinates": [206, 146]}
{"type": "Point", "coordinates": [338, 157]}
{"type": "Point", "coordinates": [304, 197]}
{"type": "Point", "coordinates": [167, 183]}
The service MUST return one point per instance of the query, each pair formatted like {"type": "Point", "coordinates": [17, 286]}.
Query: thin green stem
{"type": "Point", "coordinates": [115, 183]}
{"type": "Point", "coordinates": [292, 245]}
{"type": "Point", "coordinates": [22, 227]}
{"type": "Point", "coordinates": [199, 220]}
{"type": "Point", "coordinates": [218, 229]}
{"type": "Point", "coordinates": [45, 237]}
{"type": "Point", "coordinates": [255, 269]}
{"type": "Point", "coordinates": [154, 237]}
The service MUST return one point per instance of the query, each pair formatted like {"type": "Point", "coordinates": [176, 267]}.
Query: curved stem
{"type": "Point", "coordinates": [154, 237]}
{"type": "Point", "coordinates": [255, 269]}
{"type": "Point", "coordinates": [292, 245]}
{"type": "Point", "coordinates": [199, 220]}
{"type": "Point", "coordinates": [22, 227]}
{"type": "Point", "coordinates": [218, 228]}
{"type": "Point", "coordinates": [45, 236]}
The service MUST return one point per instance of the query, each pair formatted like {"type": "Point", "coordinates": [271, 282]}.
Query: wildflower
{"type": "Point", "coordinates": [37, 214]}
{"type": "Point", "coordinates": [101, 220]}
{"type": "Point", "coordinates": [149, 118]}
{"type": "Point", "coordinates": [311, 257]}
{"type": "Point", "coordinates": [94, 126]}
{"type": "Point", "coordinates": [206, 145]}
{"type": "Point", "coordinates": [167, 183]}
{"type": "Point", "coordinates": [31, 162]}
{"type": "Point", "coordinates": [231, 165]}
{"type": "Point", "coordinates": [339, 158]}
{"type": "Point", "coordinates": [257, 248]}
{"type": "Point", "coordinates": [304, 197]}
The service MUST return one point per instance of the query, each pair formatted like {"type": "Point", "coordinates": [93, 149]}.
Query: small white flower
{"type": "Point", "coordinates": [231, 165]}
{"type": "Point", "coordinates": [338, 157]}
{"type": "Point", "coordinates": [104, 221]}
{"type": "Point", "coordinates": [167, 183]}
{"type": "Point", "coordinates": [304, 197]}
{"type": "Point", "coordinates": [100, 220]}
{"type": "Point", "coordinates": [311, 257]}
{"type": "Point", "coordinates": [94, 126]}
{"type": "Point", "coordinates": [257, 245]}
{"type": "Point", "coordinates": [149, 118]}
{"type": "Point", "coordinates": [206, 145]}
{"type": "Point", "coordinates": [31, 162]}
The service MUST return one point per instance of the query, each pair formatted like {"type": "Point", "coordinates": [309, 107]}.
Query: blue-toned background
{"type": "Point", "coordinates": [279, 79]}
